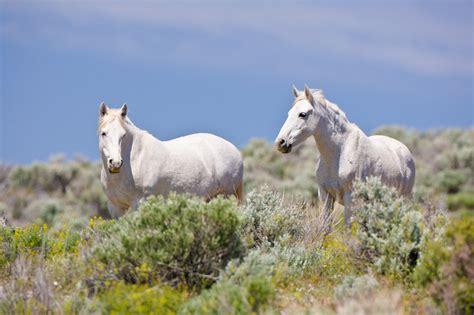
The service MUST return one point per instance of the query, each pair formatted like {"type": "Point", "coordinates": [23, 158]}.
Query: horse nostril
{"type": "Point", "coordinates": [110, 161]}
{"type": "Point", "coordinates": [282, 142]}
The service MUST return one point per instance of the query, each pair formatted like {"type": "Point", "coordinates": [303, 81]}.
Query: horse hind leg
{"type": "Point", "coordinates": [235, 191]}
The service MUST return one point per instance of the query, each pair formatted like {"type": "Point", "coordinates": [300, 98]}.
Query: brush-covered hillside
{"type": "Point", "coordinates": [271, 254]}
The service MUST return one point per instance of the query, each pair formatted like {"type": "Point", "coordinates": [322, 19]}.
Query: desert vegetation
{"type": "Point", "coordinates": [273, 253]}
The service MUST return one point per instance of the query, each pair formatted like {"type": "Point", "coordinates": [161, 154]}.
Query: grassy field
{"type": "Point", "coordinates": [60, 254]}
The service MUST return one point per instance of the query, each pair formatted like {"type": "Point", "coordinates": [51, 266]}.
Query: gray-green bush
{"type": "Point", "coordinates": [283, 263]}
{"type": "Point", "coordinates": [244, 288]}
{"type": "Point", "coordinates": [178, 239]}
{"type": "Point", "coordinates": [460, 201]}
{"type": "Point", "coordinates": [446, 266]}
{"type": "Point", "coordinates": [268, 220]}
{"type": "Point", "coordinates": [390, 229]}
{"type": "Point", "coordinates": [451, 181]}
{"type": "Point", "coordinates": [71, 190]}
{"type": "Point", "coordinates": [353, 286]}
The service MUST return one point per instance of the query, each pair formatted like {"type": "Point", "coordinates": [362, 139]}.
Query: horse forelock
{"type": "Point", "coordinates": [317, 94]}
{"type": "Point", "coordinates": [299, 98]}
{"type": "Point", "coordinates": [321, 99]}
{"type": "Point", "coordinates": [112, 115]}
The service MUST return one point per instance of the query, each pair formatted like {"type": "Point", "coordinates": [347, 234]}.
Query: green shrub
{"type": "Point", "coordinates": [446, 266]}
{"type": "Point", "coordinates": [54, 176]}
{"type": "Point", "coordinates": [34, 239]}
{"type": "Point", "coordinates": [175, 239]}
{"type": "Point", "coordinates": [55, 192]}
{"type": "Point", "coordinates": [20, 177]}
{"type": "Point", "coordinates": [123, 298]}
{"type": "Point", "coordinates": [245, 288]}
{"type": "Point", "coordinates": [389, 228]}
{"type": "Point", "coordinates": [462, 200]}
{"type": "Point", "coordinates": [267, 220]}
{"type": "Point", "coordinates": [250, 286]}
{"type": "Point", "coordinates": [299, 259]}
{"type": "Point", "coordinates": [353, 287]}
{"type": "Point", "coordinates": [93, 196]}
{"type": "Point", "coordinates": [452, 180]}
{"type": "Point", "coordinates": [222, 298]}
{"type": "Point", "coordinates": [45, 210]}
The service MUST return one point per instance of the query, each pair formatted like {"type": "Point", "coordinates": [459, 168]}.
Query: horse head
{"type": "Point", "coordinates": [301, 123]}
{"type": "Point", "coordinates": [112, 132]}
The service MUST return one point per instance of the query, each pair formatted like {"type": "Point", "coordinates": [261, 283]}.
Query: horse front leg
{"type": "Point", "coordinates": [328, 205]}
{"type": "Point", "coordinates": [348, 209]}
{"type": "Point", "coordinates": [114, 211]}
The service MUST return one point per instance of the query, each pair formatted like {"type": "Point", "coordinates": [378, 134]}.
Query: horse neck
{"type": "Point", "coordinates": [331, 134]}
{"type": "Point", "coordinates": [140, 140]}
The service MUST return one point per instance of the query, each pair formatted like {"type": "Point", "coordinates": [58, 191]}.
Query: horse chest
{"type": "Point", "coordinates": [333, 179]}
{"type": "Point", "coordinates": [120, 190]}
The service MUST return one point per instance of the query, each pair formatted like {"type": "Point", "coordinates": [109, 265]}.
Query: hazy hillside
{"type": "Point", "coordinates": [58, 190]}
{"type": "Point", "coordinates": [272, 254]}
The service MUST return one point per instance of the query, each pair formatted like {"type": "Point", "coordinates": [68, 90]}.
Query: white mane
{"type": "Point", "coordinates": [331, 107]}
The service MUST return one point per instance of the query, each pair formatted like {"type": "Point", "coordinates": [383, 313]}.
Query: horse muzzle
{"type": "Point", "coordinates": [285, 149]}
{"type": "Point", "coordinates": [283, 146]}
{"type": "Point", "coordinates": [114, 170]}
{"type": "Point", "coordinates": [114, 167]}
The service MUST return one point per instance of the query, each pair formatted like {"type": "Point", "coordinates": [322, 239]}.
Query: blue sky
{"type": "Point", "coordinates": [225, 67]}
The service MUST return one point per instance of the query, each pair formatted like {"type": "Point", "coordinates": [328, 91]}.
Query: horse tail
{"type": "Point", "coordinates": [239, 192]}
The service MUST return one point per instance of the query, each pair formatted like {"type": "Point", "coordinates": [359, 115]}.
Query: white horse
{"type": "Point", "coordinates": [135, 164]}
{"type": "Point", "coordinates": [346, 153]}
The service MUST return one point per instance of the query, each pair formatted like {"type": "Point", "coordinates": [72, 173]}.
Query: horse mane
{"type": "Point", "coordinates": [319, 97]}
{"type": "Point", "coordinates": [113, 114]}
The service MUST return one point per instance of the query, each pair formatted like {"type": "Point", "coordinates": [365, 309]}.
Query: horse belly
{"type": "Point", "coordinates": [186, 179]}
{"type": "Point", "coordinates": [395, 165]}
{"type": "Point", "coordinates": [201, 177]}
{"type": "Point", "coordinates": [224, 164]}
{"type": "Point", "coordinates": [200, 164]}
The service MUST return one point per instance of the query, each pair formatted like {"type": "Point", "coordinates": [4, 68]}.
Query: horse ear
{"type": "Point", "coordinates": [296, 93]}
{"type": "Point", "coordinates": [308, 94]}
{"type": "Point", "coordinates": [123, 110]}
{"type": "Point", "coordinates": [103, 109]}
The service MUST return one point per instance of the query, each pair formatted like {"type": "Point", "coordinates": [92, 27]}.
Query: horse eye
{"type": "Point", "coordinates": [302, 115]}
{"type": "Point", "coordinates": [103, 134]}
